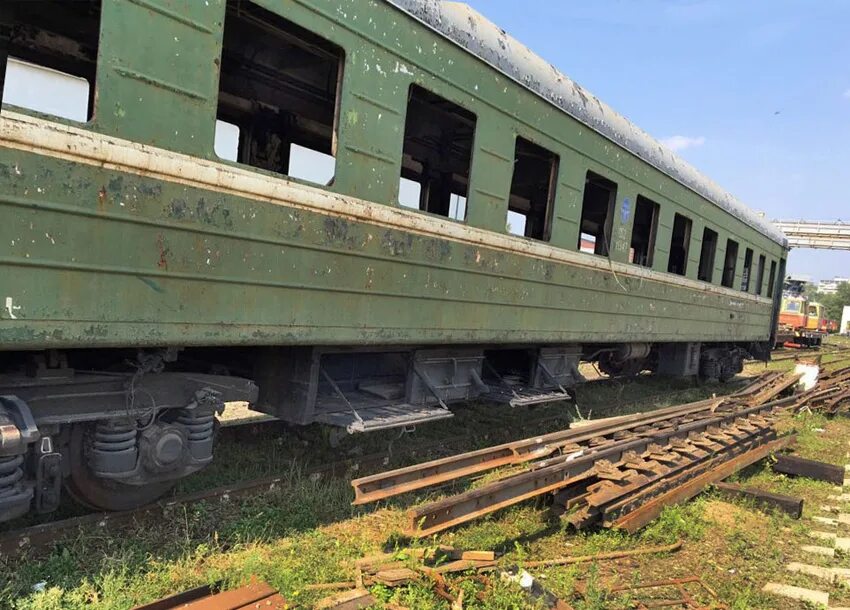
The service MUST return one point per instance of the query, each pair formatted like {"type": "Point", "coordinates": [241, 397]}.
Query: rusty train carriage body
{"type": "Point", "coordinates": [145, 280]}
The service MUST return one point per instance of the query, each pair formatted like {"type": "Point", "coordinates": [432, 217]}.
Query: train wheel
{"type": "Point", "coordinates": [104, 494]}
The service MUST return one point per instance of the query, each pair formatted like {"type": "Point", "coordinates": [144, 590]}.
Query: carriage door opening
{"type": "Point", "coordinates": [596, 214]}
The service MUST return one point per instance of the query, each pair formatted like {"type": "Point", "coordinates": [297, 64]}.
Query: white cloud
{"type": "Point", "coordinates": [677, 143]}
{"type": "Point", "coordinates": [847, 94]}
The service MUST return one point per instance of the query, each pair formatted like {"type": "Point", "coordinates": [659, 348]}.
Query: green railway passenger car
{"type": "Point", "coordinates": [342, 211]}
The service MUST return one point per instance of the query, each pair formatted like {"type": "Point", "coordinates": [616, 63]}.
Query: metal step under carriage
{"type": "Point", "coordinates": [365, 391]}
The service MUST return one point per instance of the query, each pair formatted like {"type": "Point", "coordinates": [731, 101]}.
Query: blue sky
{"type": "Point", "coordinates": [758, 91]}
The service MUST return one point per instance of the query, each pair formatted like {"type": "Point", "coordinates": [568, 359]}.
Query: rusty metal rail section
{"type": "Point", "coordinates": [584, 441]}
{"type": "Point", "coordinates": [765, 389]}
{"type": "Point", "coordinates": [636, 464]}
{"type": "Point", "coordinates": [253, 596]}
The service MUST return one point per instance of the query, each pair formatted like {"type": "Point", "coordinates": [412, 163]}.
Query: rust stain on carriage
{"type": "Point", "coordinates": [163, 251]}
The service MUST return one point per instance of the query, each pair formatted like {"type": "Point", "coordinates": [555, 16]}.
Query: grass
{"type": "Point", "coordinates": [307, 531]}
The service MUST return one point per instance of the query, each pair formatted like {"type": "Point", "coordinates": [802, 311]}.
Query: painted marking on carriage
{"type": "Point", "coordinates": [11, 308]}
{"type": "Point", "coordinates": [626, 210]}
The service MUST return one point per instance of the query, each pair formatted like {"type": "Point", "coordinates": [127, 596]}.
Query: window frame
{"type": "Point", "coordinates": [726, 281]}
{"type": "Point", "coordinates": [341, 68]}
{"type": "Point", "coordinates": [9, 52]}
{"type": "Point", "coordinates": [472, 156]}
{"type": "Point", "coordinates": [607, 228]}
{"type": "Point", "coordinates": [554, 172]}
{"type": "Point", "coordinates": [686, 243]}
{"type": "Point", "coordinates": [760, 269]}
{"type": "Point", "coordinates": [771, 282]}
{"type": "Point", "coordinates": [707, 232]}
{"type": "Point", "coordinates": [653, 230]}
{"type": "Point", "coordinates": [747, 270]}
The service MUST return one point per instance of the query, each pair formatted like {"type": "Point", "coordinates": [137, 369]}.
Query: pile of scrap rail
{"type": "Point", "coordinates": [830, 394]}
{"type": "Point", "coordinates": [618, 472]}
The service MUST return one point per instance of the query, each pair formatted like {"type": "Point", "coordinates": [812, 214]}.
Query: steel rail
{"type": "Point", "coordinates": [557, 473]}
{"type": "Point", "coordinates": [640, 516]}
{"type": "Point", "coordinates": [402, 480]}
{"type": "Point", "coordinates": [436, 472]}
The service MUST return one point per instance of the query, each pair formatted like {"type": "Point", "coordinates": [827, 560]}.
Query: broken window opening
{"type": "Point", "coordinates": [748, 269]}
{"type": "Point", "coordinates": [533, 188]}
{"type": "Point", "coordinates": [706, 256]}
{"type": "Point", "coordinates": [597, 211]}
{"type": "Point", "coordinates": [279, 86]}
{"type": "Point", "coordinates": [437, 154]}
{"type": "Point", "coordinates": [643, 231]}
{"type": "Point", "coordinates": [48, 56]}
{"type": "Point", "coordinates": [680, 242]}
{"type": "Point", "coordinates": [771, 279]}
{"type": "Point", "coordinates": [730, 263]}
{"type": "Point", "coordinates": [760, 275]}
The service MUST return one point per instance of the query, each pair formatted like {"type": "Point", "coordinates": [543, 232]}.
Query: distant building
{"type": "Point", "coordinates": [831, 286]}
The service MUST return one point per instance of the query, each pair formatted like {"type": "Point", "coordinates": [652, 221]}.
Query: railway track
{"type": "Point", "coordinates": [609, 470]}
{"type": "Point", "coordinates": [791, 354]}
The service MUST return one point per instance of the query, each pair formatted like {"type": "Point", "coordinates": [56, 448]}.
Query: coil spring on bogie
{"type": "Point", "coordinates": [112, 435]}
{"type": "Point", "coordinates": [10, 473]}
{"type": "Point", "coordinates": [114, 447]}
{"type": "Point", "coordinates": [199, 424]}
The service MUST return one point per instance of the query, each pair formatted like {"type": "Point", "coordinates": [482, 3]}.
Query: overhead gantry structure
{"type": "Point", "coordinates": [821, 235]}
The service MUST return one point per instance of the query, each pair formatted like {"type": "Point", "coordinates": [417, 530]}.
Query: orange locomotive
{"type": "Point", "coordinates": [802, 323]}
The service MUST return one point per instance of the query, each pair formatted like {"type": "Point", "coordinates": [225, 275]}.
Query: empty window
{"type": "Point", "coordinates": [771, 279]}
{"type": "Point", "coordinates": [760, 275]}
{"type": "Point", "coordinates": [680, 242]}
{"type": "Point", "coordinates": [278, 89]}
{"type": "Point", "coordinates": [748, 269]}
{"type": "Point", "coordinates": [597, 210]}
{"type": "Point", "coordinates": [730, 263]}
{"type": "Point", "coordinates": [49, 62]}
{"type": "Point", "coordinates": [643, 231]}
{"type": "Point", "coordinates": [533, 189]}
{"type": "Point", "coordinates": [437, 155]}
{"type": "Point", "coordinates": [706, 255]}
